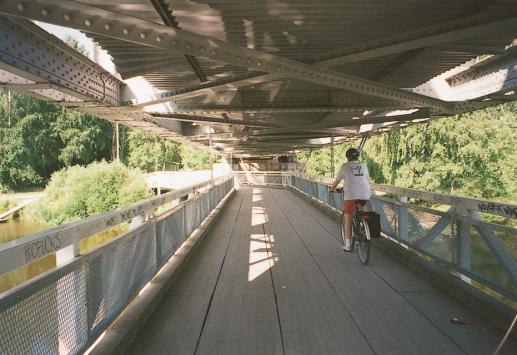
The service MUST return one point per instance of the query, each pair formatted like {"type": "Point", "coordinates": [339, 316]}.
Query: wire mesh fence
{"type": "Point", "coordinates": [65, 310]}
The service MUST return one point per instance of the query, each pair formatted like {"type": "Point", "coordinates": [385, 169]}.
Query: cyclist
{"type": "Point", "coordinates": [356, 190]}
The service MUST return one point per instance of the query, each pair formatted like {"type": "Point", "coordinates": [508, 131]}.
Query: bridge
{"type": "Point", "coordinates": [250, 262]}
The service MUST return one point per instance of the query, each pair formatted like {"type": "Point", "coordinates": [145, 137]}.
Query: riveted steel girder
{"type": "Point", "coordinates": [126, 28]}
{"type": "Point", "coordinates": [27, 51]}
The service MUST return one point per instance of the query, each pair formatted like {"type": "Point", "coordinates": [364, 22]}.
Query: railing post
{"type": "Point", "coordinates": [68, 253]}
{"type": "Point", "coordinates": [403, 220]}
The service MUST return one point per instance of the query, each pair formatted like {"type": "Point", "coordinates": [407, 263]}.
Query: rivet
{"type": "Point", "coordinates": [20, 7]}
{"type": "Point", "coordinates": [159, 39]}
{"type": "Point", "coordinates": [214, 52]}
{"type": "Point", "coordinates": [143, 35]}
{"type": "Point", "coordinates": [226, 55]}
{"type": "Point", "coordinates": [125, 31]}
{"type": "Point", "coordinates": [88, 22]}
{"type": "Point", "coordinates": [189, 46]}
{"type": "Point", "coordinates": [107, 27]}
{"type": "Point", "coordinates": [44, 12]}
{"type": "Point", "coordinates": [67, 17]}
{"type": "Point", "coordinates": [202, 49]}
{"type": "Point", "coordinates": [174, 42]}
{"type": "Point", "coordinates": [259, 63]}
{"type": "Point", "coordinates": [238, 58]}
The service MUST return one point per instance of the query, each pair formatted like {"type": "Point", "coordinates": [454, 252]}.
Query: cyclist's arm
{"type": "Point", "coordinates": [338, 179]}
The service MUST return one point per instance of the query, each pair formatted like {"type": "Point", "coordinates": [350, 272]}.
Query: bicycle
{"type": "Point", "coordinates": [360, 231]}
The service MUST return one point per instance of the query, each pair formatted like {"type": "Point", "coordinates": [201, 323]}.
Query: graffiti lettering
{"type": "Point", "coordinates": [111, 221]}
{"type": "Point", "coordinates": [42, 247]}
{"type": "Point", "coordinates": [493, 208]}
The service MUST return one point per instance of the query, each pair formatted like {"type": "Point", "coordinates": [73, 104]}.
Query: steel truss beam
{"type": "Point", "coordinates": [196, 109]}
{"type": "Point", "coordinates": [31, 53]}
{"type": "Point", "coordinates": [467, 27]}
{"type": "Point", "coordinates": [126, 28]}
{"type": "Point", "coordinates": [216, 120]}
{"type": "Point", "coordinates": [420, 115]}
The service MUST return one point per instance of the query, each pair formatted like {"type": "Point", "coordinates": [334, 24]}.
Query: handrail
{"type": "Point", "coordinates": [503, 209]}
{"type": "Point", "coordinates": [19, 252]}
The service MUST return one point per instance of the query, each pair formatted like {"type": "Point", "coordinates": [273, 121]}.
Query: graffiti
{"type": "Point", "coordinates": [110, 222]}
{"type": "Point", "coordinates": [42, 247]}
{"type": "Point", "coordinates": [494, 208]}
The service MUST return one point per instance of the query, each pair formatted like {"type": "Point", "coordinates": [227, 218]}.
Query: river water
{"type": "Point", "coordinates": [17, 228]}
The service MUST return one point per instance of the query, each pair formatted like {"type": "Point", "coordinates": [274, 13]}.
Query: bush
{"type": "Point", "coordinates": [81, 191]}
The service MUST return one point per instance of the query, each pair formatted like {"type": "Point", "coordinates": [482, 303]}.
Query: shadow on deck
{"type": "Point", "coordinates": [271, 278]}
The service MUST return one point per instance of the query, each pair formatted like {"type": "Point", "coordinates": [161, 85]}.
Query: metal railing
{"type": "Point", "coordinates": [457, 239]}
{"type": "Point", "coordinates": [65, 309]}
{"type": "Point", "coordinates": [263, 178]}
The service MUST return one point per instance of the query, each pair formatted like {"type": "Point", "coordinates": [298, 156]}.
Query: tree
{"type": "Point", "coordinates": [472, 154]}
{"type": "Point", "coordinates": [85, 139]}
{"type": "Point", "coordinates": [43, 138]}
{"type": "Point", "coordinates": [193, 158]}
{"type": "Point", "coordinates": [150, 153]}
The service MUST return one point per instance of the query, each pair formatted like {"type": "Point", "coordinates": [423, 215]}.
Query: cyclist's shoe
{"type": "Point", "coordinates": [347, 250]}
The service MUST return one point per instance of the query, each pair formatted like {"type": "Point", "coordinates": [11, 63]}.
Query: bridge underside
{"type": "Point", "coordinates": [265, 78]}
{"type": "Point", "coordinates": [271, 278]}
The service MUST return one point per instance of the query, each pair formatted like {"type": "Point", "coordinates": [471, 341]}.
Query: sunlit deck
{"type": "Point", "coordinates": [271, 278]}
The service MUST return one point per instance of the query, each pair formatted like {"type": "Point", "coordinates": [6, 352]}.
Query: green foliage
{"type": "Point", "coordinates": [38, 138]}
{"type": "Point", "coordinates": [151, 153]}
{"type": "Point", "coordinates": [73, 43]}
{"type": "Point", "coordinates": [80, 191]}
{"type": "Point", "coordinates": [471, 154]}
{"type": "Point", "coordinates": [84, 138]}
{"type": "Point", "coordinates": [196, 159]}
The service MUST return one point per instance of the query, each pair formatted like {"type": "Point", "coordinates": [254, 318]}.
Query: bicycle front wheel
{"type": "Point", "coordinates": [363, 247]}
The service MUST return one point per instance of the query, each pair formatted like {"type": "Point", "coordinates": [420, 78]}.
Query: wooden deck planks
{"type": "Point", "coordinates": [242, 318]}
{"type": "Point", "coordinates": [313, 318]}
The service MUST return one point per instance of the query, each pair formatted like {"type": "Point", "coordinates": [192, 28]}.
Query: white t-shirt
{"type": "Point", "coordinates": [355, 184]}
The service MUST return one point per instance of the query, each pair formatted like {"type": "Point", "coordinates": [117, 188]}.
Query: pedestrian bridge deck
{"type": "Point", "coordinates": [271, 278]}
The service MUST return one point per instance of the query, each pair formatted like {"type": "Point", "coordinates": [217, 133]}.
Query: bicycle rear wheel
{"type": "Point", "coordinates": [363, 247]}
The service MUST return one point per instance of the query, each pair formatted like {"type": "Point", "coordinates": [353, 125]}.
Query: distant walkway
{"type": "Point", "coordinates": [22, 204]}
{"type": "Point", "coordinates": [271, 278]}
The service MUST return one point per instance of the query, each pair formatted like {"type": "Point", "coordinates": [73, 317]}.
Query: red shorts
{"type": "Point", "coordinates": [349, 206]}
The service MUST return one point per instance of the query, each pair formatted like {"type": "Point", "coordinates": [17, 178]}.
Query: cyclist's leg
{"type": "Point", "coordinates": [348, 210]}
